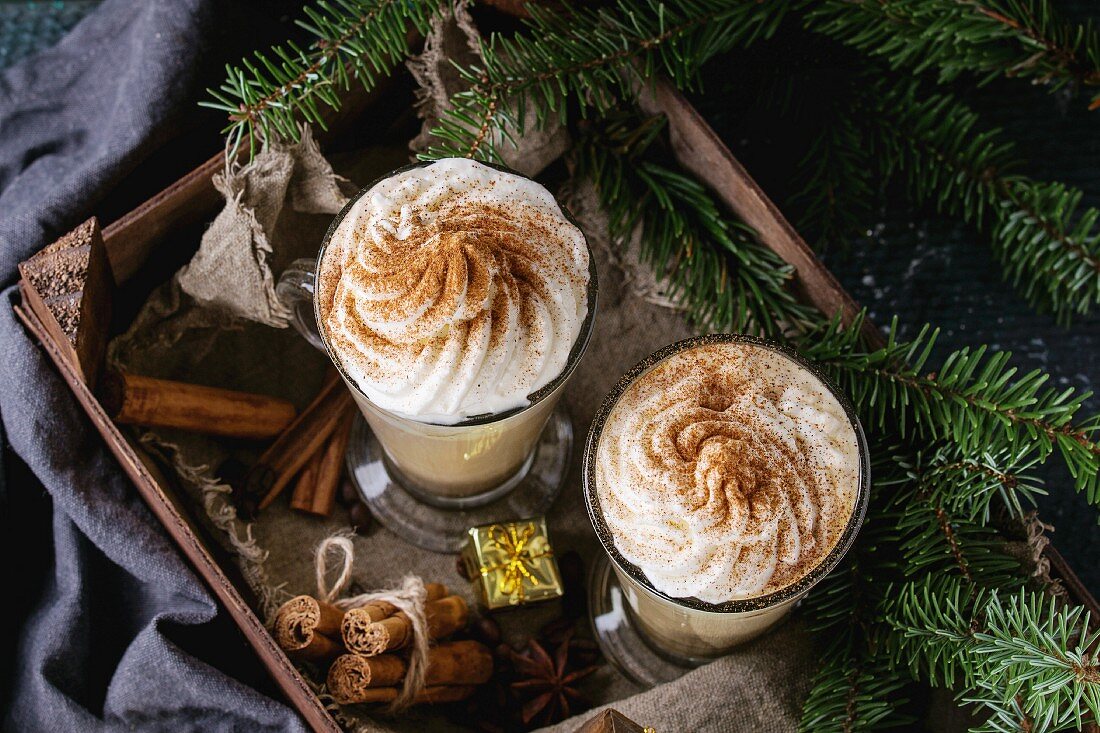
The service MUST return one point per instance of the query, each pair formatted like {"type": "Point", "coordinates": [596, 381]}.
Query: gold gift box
{"type": "Point", "coordinates": [512, 563]}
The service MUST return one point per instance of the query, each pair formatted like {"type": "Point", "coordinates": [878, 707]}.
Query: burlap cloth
{"type": "Point", "coordinates": [217, 322]}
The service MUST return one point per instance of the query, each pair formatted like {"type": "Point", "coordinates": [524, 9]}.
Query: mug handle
{"type": "Point", "coordinates": [295, 289]}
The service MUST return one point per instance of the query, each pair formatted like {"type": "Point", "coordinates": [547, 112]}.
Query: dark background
{"type": "Point", "coordinates": [910, 262]}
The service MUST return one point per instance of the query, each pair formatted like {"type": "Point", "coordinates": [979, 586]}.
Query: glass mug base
{"type": "Point", "coordinates": [622, 642]}
{"type": "Point", "coordinates": [440, 523]}
{"type": "Point", "coordinates": [632, 649]}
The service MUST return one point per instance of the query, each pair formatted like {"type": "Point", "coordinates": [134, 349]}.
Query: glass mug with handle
{"type": "Point", "coordinates": [704, 462]}
{"type": "Point", "coordinates": [468, 460]}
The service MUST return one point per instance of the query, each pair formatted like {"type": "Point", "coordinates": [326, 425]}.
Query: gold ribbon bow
{"type": "Point", "coordinates": [518, 558]}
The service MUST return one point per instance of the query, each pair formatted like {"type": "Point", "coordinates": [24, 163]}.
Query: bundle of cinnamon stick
{"type": "Point", "coordinates": [366, 646]}
{"type": "Point", "coordinates": [309, 452]}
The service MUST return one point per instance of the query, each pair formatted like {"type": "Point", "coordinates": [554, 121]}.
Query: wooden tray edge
{"type": "Point", "coordinates": [286, 676]}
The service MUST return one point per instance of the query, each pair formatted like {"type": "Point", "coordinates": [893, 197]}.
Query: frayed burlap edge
{"type": "Point", "coordinates": [218, 505]}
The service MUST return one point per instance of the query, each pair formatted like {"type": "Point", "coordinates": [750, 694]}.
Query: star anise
{"type": "Point", "coordinates": [547, 683]}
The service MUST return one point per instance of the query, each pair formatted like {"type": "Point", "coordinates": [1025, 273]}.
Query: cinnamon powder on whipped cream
{"type": "Point", "coordinates": [726, 471]}
{"type": "Point", "coordinates": [453, 289]}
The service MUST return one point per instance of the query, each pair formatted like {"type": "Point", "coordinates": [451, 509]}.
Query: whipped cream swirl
{"type": "Point", "coordinates": [453, 290]}
{"type": "Point", "coordinates": [726, 471]}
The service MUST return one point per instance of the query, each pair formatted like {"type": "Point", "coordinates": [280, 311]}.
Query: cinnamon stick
{"type": "Point", "coordinates": [357, 621]}
{"type": "Point", "coordinates": [444, 616]}
{"type": "Point", "coordinates": [309, 629]}
{"type": "Point", "coordinates": [131, 399]}
{"type": "Point", "coordinates": [315, 492]}
{"type": "Point", "coordinates": [434, 695]}
{"type": "Point", "coordinates": [450, 663]}
{"type": "Point", "coordinates": [297, 444]}
{"type": "Point", "coordinates": [306, 484]}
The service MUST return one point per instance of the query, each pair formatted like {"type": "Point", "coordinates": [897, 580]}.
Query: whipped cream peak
{"type": "Point", "coordinates": [726, 471]}
{"type": "Point", "coordinates": [452, 290]}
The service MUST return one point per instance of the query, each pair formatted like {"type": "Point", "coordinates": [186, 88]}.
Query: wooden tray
{"type": "Point", "coordinates": [131, 240]}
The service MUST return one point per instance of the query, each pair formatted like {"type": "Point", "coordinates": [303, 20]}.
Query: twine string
{"type": "Point", "coordinates": [409, 598]}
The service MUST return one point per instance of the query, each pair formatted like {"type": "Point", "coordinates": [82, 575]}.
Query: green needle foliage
{"type": "Point", "coordinates": [269, 95]}
{"type": "Point", "coordinates": [591, 57]}
{"type": "Point", "coordinates": [835, 183]}
{"type": "Point", "coordinates": [1031, 648]}
{"type": "Point", "coordinates": [927, 596]}
{"type": "Point", "coordinates": [974, 400]}
{"type": "Point", "coordinates": [856, 687]}
{"type": "Point", "coordinates": [1050, 248]}
{"type": "Point", "coordinates": [856, 691]}
{"type": "Point", "coordinates": [712, 264]}
{"type": "Point", "coordinates": [1024, 659]}
{"type": "Point", "coordinates": [989, 38]}
{"type": "Point", "coordinates": [973, 486]}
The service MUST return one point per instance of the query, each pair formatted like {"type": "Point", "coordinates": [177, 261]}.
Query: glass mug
{"type": "Point", "coordinates": [460, 465]}
{"type": "Point", "coordinates": [689, 631]}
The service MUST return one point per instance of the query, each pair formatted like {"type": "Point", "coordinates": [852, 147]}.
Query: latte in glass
{"type": "Point", "coordinates": [455, 298]}
{"type": "Point", "coordinates": [724, 477]}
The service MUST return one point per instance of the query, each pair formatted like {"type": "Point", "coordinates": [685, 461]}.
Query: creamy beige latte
{"type": "Point", "coordinates": [726, 471]}
{"type": "Point", "coordinates": [453, 290]}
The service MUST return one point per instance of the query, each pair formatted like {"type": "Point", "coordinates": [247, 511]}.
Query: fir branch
{"type": "Point", "coordinates": [843, 609]}
{"type": "Point", "coordinates": [713, 265]}
{"type": "Point", "coordinates": [934, 620]}
{"type": "Point", "coordinates": [933, 541]}
{"type": "Point", "coordinates": [1014, 38]}
{"type": "Point", "coordinates": [974, 400]}
{"type": "Point", "coordinates": [925, 601]}
{"type": "Point", "coordinates": [269, 95]}
{"type": "Point", "coordinates": [967, 485]}
{"type": "Point", "coordinates": [1031, 663]}
{"type": "Point", "coordinates": [834, 179]}
{"type": "Point", "coordinates": [857, 691]}
{"type": "Point", "coordinates": [594, 58]}
{"type": "Point", "coordinates": [1048, 244]}
{"type": "Point", "coordinates": [1042, 663]}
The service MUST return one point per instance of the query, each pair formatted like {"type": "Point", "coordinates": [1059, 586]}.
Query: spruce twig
{"type": "Point", "coordinates": [713, 264]}
{"type": "Point", "coordinates": [1047, 242]}
{"type": "Point", "coordinates": [974, 400]}
{"type": "Point", "coordinates": [1029, 662]}
{"type": "Point", "coordinates": [1015, 38]}
{"type": "Point", "coordinates": [269, 95]}
{"type": "Point", "coordinates": [591, 58]}
{"type": "Point", "coordinates": [1049, 245]}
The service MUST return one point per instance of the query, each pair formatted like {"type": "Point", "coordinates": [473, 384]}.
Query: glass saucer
{"type": "Point", "coordinates": [621, 641]}
{"type": "Point", "coordinates": [424, 522]}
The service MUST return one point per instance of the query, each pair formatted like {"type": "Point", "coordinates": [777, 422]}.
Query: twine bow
{"type": "Point", "coordinates": [518, 558]}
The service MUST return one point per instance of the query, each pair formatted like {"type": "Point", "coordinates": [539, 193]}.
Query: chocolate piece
{"type": "Point", "coordinates": [68, 287]}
